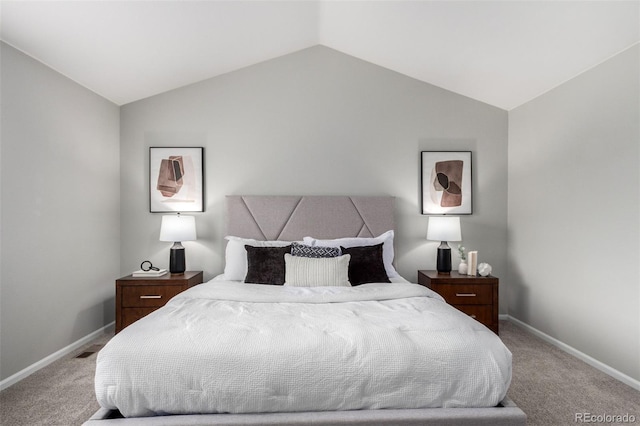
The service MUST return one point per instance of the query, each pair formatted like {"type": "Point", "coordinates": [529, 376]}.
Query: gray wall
{"type": "Point", "coordinates": [314, 122]}
{"type": "Point", "coordinates": [574, 213]}
{"type": "Point", "coordinates": [60, 206]}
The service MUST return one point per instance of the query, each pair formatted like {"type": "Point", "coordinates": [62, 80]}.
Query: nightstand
{"type": "Point", "coordinates": [139, 296]}
{"type": "Point", "coordinates": [475, 296]}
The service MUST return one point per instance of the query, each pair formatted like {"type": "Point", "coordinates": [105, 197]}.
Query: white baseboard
{"type": "Point", "coordinates": [573, 351]}
{"type": "Point", "coordinates": [11, 380]}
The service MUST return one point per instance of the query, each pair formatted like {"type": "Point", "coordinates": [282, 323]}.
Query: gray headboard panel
{"type": "Point", "coordinates": [291, 218]}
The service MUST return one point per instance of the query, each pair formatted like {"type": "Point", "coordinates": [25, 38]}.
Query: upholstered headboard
{"type": "Point", "coordinates": [291, 218]}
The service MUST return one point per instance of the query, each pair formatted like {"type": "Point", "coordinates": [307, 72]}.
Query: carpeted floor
{"type": "Point", "coordinates": [552, 387]}
{"type": "Point", "coordinates": [549, 385]}
{"type": "Point", "coordinates": [61, 394]}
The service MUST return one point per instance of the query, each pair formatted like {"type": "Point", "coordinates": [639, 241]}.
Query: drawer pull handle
{"type": "Point", "coordinates": [150, 297]}
{"type": "Point", "coordinates": [465, 295]}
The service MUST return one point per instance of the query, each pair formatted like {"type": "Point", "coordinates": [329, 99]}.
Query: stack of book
{"type": "Point", "coordinates": [150, 273]}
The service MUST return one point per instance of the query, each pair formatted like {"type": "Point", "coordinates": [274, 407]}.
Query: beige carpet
{"type": "Point", "coordinates": [60, 394]}
{"type": "Point", "coordinates": [548, 384]}
{"type": "Point", "coordinates": [551, 386]}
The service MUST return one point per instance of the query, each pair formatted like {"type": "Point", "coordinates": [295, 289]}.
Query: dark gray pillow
{"type": "Point", "coordinates": [366, 265]}
{"type": "Point", "coordinates": [303, 250]}
{"type": "Point", "coordinates": [265, 265]}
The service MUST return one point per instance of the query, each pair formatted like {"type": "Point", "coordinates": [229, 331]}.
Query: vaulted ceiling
{"type": "Point", "coordinates": [504, 53]}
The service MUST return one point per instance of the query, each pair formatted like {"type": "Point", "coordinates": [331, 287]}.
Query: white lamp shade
{"type": "Point", "coordinates": [178, 228]}
{"type": "Point", "coordinates": [444, 228]}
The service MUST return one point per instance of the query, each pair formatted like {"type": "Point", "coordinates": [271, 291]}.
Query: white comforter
{"type": "Point", "coordinates": [226, 347]}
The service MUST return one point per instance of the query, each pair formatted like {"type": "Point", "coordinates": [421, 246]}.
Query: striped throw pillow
{"type": "Point", "coordinates": [316, 272]}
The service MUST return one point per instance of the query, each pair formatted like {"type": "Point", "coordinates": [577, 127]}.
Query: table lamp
{"type": "Point", "coordinates": [177, 228]}
{"type": "Point", "coordinates": [443, 229]}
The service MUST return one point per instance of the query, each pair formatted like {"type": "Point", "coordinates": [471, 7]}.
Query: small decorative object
{"type": "Point", "coordinates": [176, 180]}
{"type": "Point", "coordinates": [148, 270]}
{"type": "Point", "coordinates": [446, 182]}
{"type": "Point", "coordinates": [462, 267]}
{"type": "Point", "coordinates": [484, 269]}
{"type": "Point", "coordinates": [177, 229]}
{"type": "Point", "coordinates": [472, 267]}
{"type": "Point", "coordinates": [444, 229]}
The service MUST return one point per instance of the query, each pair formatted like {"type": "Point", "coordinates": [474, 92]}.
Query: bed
{"type": "Point", "coordinates": [315, 350]}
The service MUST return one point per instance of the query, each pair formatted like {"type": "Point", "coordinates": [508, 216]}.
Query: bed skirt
{"type": "Point", "coordinates": [506, 414]}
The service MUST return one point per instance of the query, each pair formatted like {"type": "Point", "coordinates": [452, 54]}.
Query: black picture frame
{"type": "Point", "coordinates": [446, 184]}
{"type": "Point", "coordinates": [176, 179]}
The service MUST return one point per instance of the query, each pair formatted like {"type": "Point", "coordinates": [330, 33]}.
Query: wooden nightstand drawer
{"type": "Point", "coordinates": [137, 297]}
{"type": "Point", "coordinates": [148, 295]}
{"type": "Point", "coordinates": [473, 295]}
{"type": "Point", "coordinates": [131, 315]}
{"type": "Point", "coordinates": [466, 294]}
{"type": "Point", "coordinates": [480, 313]}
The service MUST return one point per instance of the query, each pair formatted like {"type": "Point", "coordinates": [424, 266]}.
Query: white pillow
{"type": "Point", "coordinates": [316, 271]}
{"type": "Point", "coordinates": [387, 247]}
{"type": "Point", "coordinates": [235, 266]}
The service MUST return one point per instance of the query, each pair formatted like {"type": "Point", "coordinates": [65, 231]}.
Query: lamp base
{"type": "Point", "coordinates": [177, 261]}
{"type": "Point", "coordinates": [444, 258]}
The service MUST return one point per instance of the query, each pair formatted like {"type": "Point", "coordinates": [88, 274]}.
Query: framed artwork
{"type": "Point", "coordinates": [446, 182]}
{"type": "Point", "coordinates": [176, 177]}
